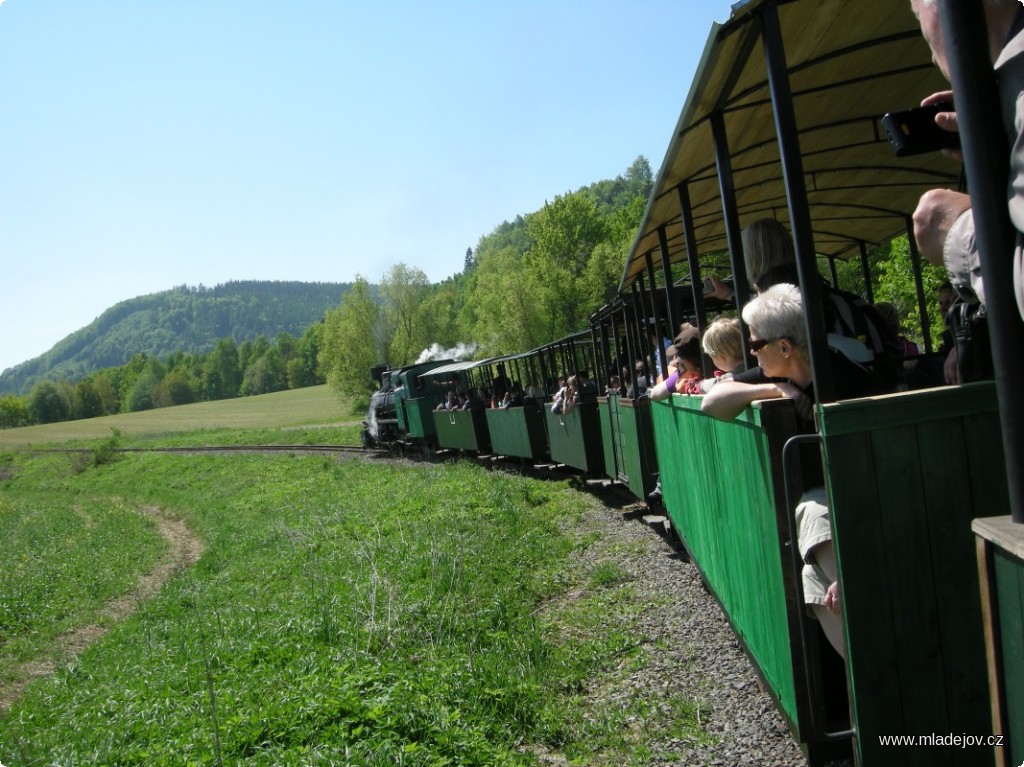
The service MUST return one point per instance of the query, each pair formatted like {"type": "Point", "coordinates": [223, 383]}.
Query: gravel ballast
{"type": "Point", "coordinates": [693, 652]}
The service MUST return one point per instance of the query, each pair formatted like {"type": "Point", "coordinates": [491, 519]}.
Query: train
{"type": "Point", "coordinates": [782, 121]}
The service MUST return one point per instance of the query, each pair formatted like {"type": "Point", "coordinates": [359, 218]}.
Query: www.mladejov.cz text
{"type": "Point", "coordinates": [954, 740]}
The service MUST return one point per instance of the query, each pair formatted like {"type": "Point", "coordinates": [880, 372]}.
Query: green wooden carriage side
{"type": "Point", "coordinates": [907, 473]}
{"type": "Point", "coordinates": [462, 430]}
{"type": "Point", "coordinates": [627, 437]}
{"type": "Point", "coordinates": [518, 431]}
{"type": "Point", "coordinates": [575, 439]}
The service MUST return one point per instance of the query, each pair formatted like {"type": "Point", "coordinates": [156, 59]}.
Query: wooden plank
{"type": "Point", "coordinates": [860, 545]}
{"type": "Point", "coordinates": [917, 645]}
{"type": "Point", "coordinates": [948, 497]}
{"type": "Point", "coordinates": [1003, 531]}
{"type": "Point", "coordinates": [908, 408]}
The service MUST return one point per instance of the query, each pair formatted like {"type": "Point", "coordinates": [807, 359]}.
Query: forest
{"type": "Point", "coordinates": [533, 279]}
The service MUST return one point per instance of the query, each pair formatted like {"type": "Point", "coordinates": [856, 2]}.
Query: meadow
{"type": "Point", "coordinates": [359, 611]}
{"type": "Point", "coordinates": [308, 413]}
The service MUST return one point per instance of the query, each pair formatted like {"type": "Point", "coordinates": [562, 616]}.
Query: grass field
{"type": "Point", "coordinates": [308, 407]}
{"type": "Point", "coordinates": [356, 612]}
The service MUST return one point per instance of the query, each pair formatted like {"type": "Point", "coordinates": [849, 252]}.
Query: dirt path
{"type": "Point", "coordinates": [184, 549]}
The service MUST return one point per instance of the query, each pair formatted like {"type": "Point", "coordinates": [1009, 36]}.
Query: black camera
{"type": "Point", "coordinates": [913, 131]}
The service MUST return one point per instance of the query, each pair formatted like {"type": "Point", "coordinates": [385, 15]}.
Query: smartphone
{"type": "Point", "coordinates": [913, 131]}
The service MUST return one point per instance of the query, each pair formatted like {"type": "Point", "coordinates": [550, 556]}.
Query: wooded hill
{"type": "Point", "coordinates": [189, 319]}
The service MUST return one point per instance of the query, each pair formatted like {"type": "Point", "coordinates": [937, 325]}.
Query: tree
{"type": "Point", "coordinates": [48, 403]}
{"type": "Point", "coordinates": [266, 374]}
{"type": "Point", "coordinates": [86, 401]}
{"type": "Point", "coordinates": [13, 412]}
{"type": "Point", "coordinates": [403, 289]}
{"type": "Point", "coordinates": [352, 342]}
{"type": "Point", "coordinates": [221, 375]}
{"type": "Point", "coordinates": [176, 388]}
{"type": "Point", "coordinates": [640, 179]}
{"type": "Point", "coordinates": [303, 369]}
{"type": "Point", "coordinates": [565, 234]}
{"type": "Point", "coordinates": [105, 383]}
{"type": "Point", "coordinates": [127, 375]}
{"type": "Point", "coordinates": [470, 262]}
{"type": "Point", "coordinates": [509, 306]}
{"type": "Point", "coordinates": [141, 395]}
{"type": "Point", "coordinates": [437, 315]}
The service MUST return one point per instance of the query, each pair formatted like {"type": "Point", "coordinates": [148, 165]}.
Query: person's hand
{"type": "Point", "coordinates": [801, 401]}
{"type": "Point", "coordinates": [947, 121]}
{"type": "Point", "coordinates": [719, 289]}
{"type": "Point", "coordinates": [832, 598]}
{"type": "Point", "coordinates": [937, 211]}
{"type": "Point", "coordinates": [950, 370]}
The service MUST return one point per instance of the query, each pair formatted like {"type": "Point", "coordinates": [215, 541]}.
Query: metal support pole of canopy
{"type": "Point", "coordinates": [796, 199]}
{"type": "Point", "coordinates": [922, 305]}
{"type": "Point", "coordinates": [865, 270]}
{"type": "Point", "coordinates": [655, 318]}
{"type": "Point", "coordinates": [986, 149]}
{"type": "Point", "coordinates": [642, 334]}
{"type": "Point", "coordinates": [730, 214]}
{"type": "Point", "coordinates": [690, 238]}
{"type": "Point", "coordinates": [731, 217]}
{"type": "Point", "coordinates": [671, 309]}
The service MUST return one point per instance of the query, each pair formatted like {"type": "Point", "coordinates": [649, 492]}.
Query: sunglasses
{"type": "Point", "coordinates": [760, 343]}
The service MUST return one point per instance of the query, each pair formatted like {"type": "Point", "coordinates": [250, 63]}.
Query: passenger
{"type": "Point", "coordinates": [655, 359]}
{"type": "Point", "coordinates": [586, 389]}
{"type": "Point", "coordinates": [534, 392]}
{"type": "Point", "coordinates": [638, 382]}
{"type": "Point", "coordinates": [463, 401]}
{"type": "Point", "coordinates": [451, 402]}
{"type": "Point", "coordinates": [500, 384]}
{"type": "Point", "coordinates": [565, 400]}
{"type": "Point", "coordinates": [853, 325]}
{"type": "Point", "coordinates": [856, 332]}
{"type": "Point", "coordinates": [478, 399]}
{"type": "Point", "coordinates": [908, 349]}
{"type": "Point", "coordinates": [941, 368]}
{"type": "Point", "coordinates": [614, 387]}
{"type": "Point", "coordinates": [723, 344]}
{"type": "Point", "coordinates": [684, 365]}
{"type": "Point", "coordinates": [513, 397]}
{"type": "Point", "coordinates": [516, 398]}
{"type": "Point", "coordinates": [943, 221]}
{"type": "Point", "coordinates": [778, 337]}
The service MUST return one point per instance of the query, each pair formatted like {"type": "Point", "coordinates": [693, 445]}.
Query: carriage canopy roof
{"type": "Point", "coordinates": [848, 63]}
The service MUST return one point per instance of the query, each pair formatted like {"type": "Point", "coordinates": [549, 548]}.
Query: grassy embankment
{"type": "Point", "coordinates": [342, 613]}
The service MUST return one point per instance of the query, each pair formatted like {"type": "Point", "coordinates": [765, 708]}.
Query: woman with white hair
{"type": "Point", "coordinates": [778, 338]}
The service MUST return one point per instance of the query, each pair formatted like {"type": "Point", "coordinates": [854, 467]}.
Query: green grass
{"type": "Point", "coordinates": [314, 409]}
{"type": "Point", "coordinates": [64, 559]}
{"type": "Point", "coordinates": [342, 613]}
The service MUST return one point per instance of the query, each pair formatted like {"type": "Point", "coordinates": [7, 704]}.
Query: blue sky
{"type": "Point", "coordinates": [146, 144]}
